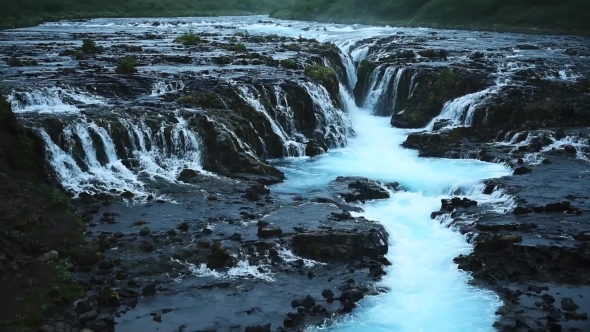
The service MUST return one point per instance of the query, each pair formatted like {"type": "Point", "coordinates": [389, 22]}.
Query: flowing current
{"type": "Point", "coordinates": [426, 290]}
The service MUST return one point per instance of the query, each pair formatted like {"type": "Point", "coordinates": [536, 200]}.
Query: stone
{"type": "Point", "coordinates": [149, 290]}
{"type": "Point", "coordinates": [158, 318]}
{"type": "Point", "coordinates": [183, 227]}
{"type": "Point", "coordinates": [268, 232]}
{"type": "Point", "coordinates": [568, 304]}
{"type": "Point", "coordinates": [188, 176]}
{"type": "Point", "coordinates": [127, 194]}
{"type": "Point", "coordinates": [144, 231]}
{"type": "Point", "coordinates": [105, 264]}
{"type": "Point", "coordinates": [522, 170]}
{"type": "Point", "coordinates": [497, 243]}
{"type": "Point", "coordinates": [328, 295]}
{"type": "Point", "coordinates": [520, 210]}
{"type": "Point", "coordinates": [88, 316]}
{"type": "Point", "coordinates": [258, 328]}
{"type": "Point", "coordinates": [50, 256]}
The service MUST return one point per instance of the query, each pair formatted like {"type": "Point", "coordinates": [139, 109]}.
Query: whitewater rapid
{"type": "Point", "coordinates": [427, 291]}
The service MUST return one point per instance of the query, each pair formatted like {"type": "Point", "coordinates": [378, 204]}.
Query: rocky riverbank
{"type": "Point", "coordinates": [165, 135]}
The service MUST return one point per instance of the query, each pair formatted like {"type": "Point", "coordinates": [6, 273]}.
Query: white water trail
{"type": "Point", "coordinates": [161, 88]}
{"type": "Point", "coordinates": [51, 100]}
{"type": "Point", "coordinates": [378, 86]}
{"type": "Point", "coordinates": [332, 122]}
{"type": "Point", "coordinates": [156, 156]}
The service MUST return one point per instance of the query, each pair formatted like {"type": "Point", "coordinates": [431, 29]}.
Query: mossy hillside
{"type": "Point", "coordinates": [36, 219]}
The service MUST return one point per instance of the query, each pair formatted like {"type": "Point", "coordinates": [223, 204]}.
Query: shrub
{"type": "Point", "coordinates": [126, 66]}
{"type": "Point", "coordinates": [16, 62]}
{"type": "Point", "coordinates": [293, 47]}
{"type": "Point", "coordinates": [272, 37]}
{"type": "Point", "coordinates": [189, 39]}
{"type": "Point", "coordinates": [222, 60]}
{"type": "Point", "coordinates": [89, 47]}
{"type": "Point", "coordinates": [289, 64]}
{"type": "Point", "coordinates": [241, 48]}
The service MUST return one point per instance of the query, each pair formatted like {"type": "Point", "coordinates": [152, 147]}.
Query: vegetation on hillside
{"type": "Point", "coordinates": [16, 13]}
{"type": "Point", "coordinates": [554, 15]}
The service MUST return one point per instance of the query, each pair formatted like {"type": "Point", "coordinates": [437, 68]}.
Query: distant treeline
{"type": "Point", "coordinates": [547, 15]}
{"type": "Point", "coordinates": [14, 13]}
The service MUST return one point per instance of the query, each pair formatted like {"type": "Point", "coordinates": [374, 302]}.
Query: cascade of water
{"type": "Point", "coordinates": [460, 111]}
{"type": "Point", "coordinates": [413, 86]}
{"type": "Point", "coordinates": [378, 87]}
{"type": "Point", "coordinates": [156, 156]}
{"type": "Point", "coordinates": [294, 148]}
{"type": "Point", "coordinates": [396, 87]}
{"type": "Point", "coordinates": [291, 147]}
{"type": "Point", "coordinates": [332, 122]}
{"type": "Point", "coordinates": [51, 100]}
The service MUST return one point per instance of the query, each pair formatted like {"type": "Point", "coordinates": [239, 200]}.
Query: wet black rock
{"type": "Point", "coordinates": [368, 240]}
{"type": "Point", "coordinates": [328, 295]}
{"type": "Point", "coordinates": [522, 170]}
{"type": "Point", "coordinates": [188, 176]}
{"type": "Point", "coordinates": [269, 232]}
{"type": "Point", "coordinates": [497, 243]}
{"type": "Point", "coordinates": [258, 328]}
{"type": "Point", "coordinates": [313, 148]}
{"type": "Point", "coordinates": [456, 202]}
{"type": "Point", "coordinates": [568, 304]}
{"type": "Point", "coordinates": [520, 210]}
{"type": "Point", "coordinates": [219, 258]}
{"type": "Point", "coordinates": [149, 290]}
{"type": "Point", "coordinates": [183, 227]}
{"type": "Point", "coordinates": [355, 189]}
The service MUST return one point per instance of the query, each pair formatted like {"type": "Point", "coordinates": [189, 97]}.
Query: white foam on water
{"type": "Point", "coordinates": [161, 88]}
{"type": "Point", "coordinates": [289, 257]}
{"type": "Point", "coordinates": [52, 100]}
{"type": "Point", "coordinates": [242, 270]}
{"type": "Point", "coordinates": [427, 291]}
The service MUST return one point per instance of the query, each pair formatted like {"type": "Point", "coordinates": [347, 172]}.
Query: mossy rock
{"type": "Point", "coordinates": [202, 99]}
{"type": "Point", "coordinates": [324, 74]}
{"type": "Point", "coordinates": [16, 62]}
{"type": "Point", "coordinates": [239, 48]}
{"type": "Point", "coordinates": [289, 64]}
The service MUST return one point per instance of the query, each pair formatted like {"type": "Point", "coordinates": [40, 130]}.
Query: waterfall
{"type": "Point", "coordinates": [291, 148]}
{"type": "Point", "coordinates": [156, 154]}
{"type": "Point", "coordinates": [51, 100]}
{"type": "Point", "coordinates": [413, 86]}
{"type": "Point", "coordinates": [396, 87]}
{"type": "Point", "coordinates": [460, 111]}
{"type": "Point", "coordinates": [378, 86]}
{"type": "Point", "coordinates": [333, 124]}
